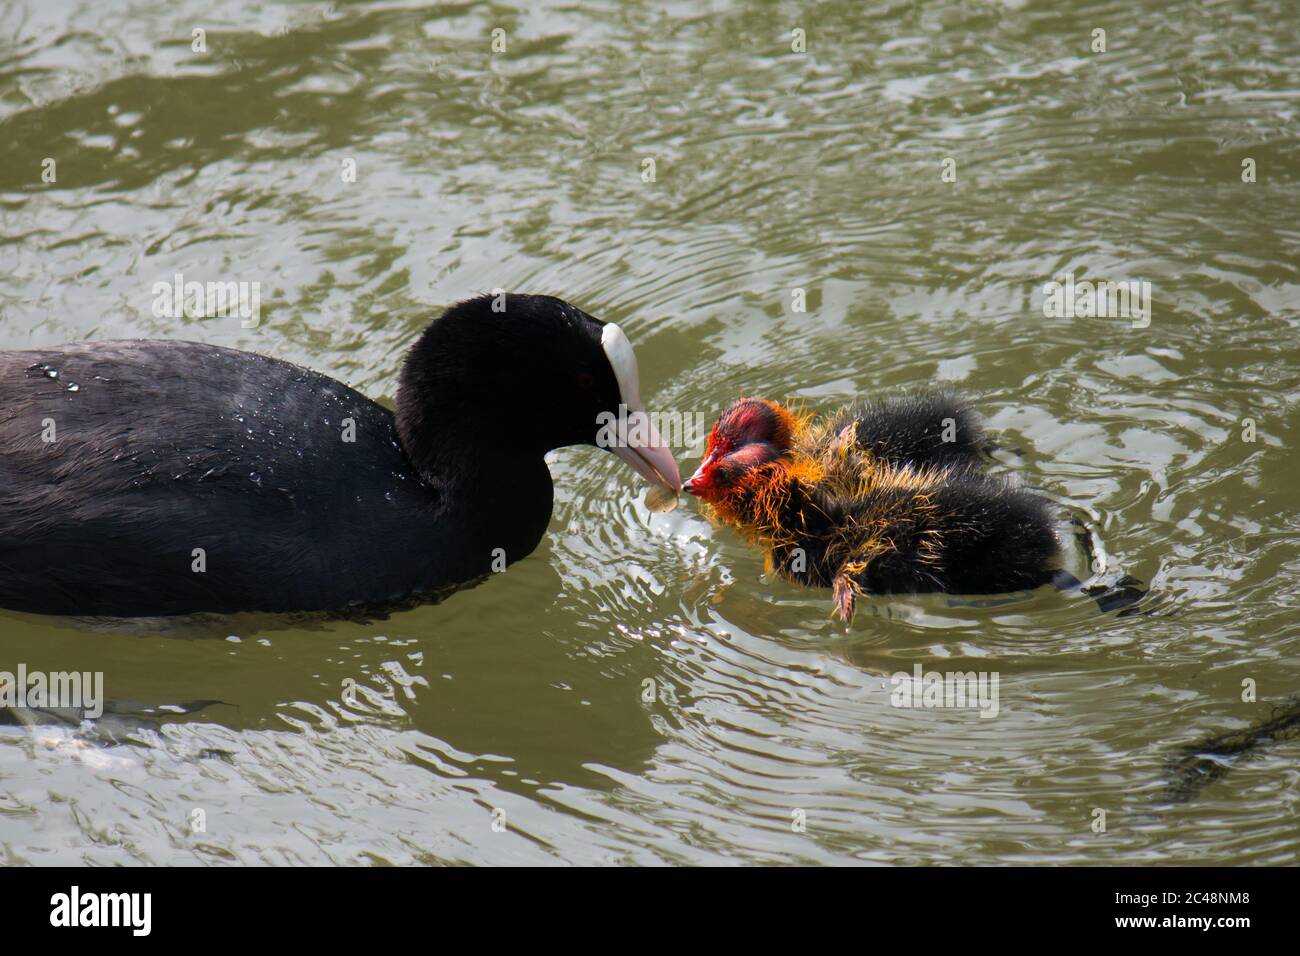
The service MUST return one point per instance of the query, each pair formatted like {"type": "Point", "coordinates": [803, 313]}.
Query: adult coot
{"type": "Point", "coordinates": [143, 478]}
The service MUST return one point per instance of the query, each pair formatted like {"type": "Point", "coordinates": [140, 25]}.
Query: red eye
{"type": "Point", "coordinates": [585, 380]}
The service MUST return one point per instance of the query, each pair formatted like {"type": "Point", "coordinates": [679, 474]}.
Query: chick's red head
{"type": "Point", "coordinates": [750, 434]}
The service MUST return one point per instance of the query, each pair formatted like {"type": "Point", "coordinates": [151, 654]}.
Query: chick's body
{"type": "Point", "coordinates": [885, 498]}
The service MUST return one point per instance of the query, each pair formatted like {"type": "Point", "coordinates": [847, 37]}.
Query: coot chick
{"type": "Point", "coordinates": [886, 498]}
{"type": "Point", "coordinates": [150, 478]}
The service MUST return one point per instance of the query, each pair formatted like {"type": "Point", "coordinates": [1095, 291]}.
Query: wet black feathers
{"type": "Point", "coordinates": [905, 506]}
{"type": "Point", "coordinates": [291, 491]}
{"type": "Point", "coordinates": [933, 428]}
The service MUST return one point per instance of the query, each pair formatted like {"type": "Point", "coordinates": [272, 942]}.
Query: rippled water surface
{"type": "Point", "coordinates": [771, 736]}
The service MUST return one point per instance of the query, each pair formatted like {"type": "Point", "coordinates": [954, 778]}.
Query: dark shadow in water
{"type": "Point", "coordinates": [1197, 765]}
{"type": "Point", "coordinates": [204, 625]}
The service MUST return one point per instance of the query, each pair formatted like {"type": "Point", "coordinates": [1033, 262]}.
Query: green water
{"type": "Point", "coordinates": [774, 171]}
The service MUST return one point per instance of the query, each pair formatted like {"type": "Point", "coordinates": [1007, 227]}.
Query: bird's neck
{"type": "Point", "coordinates": [493, 490]}
{"type": "Point", "coordinates": [493, 506]}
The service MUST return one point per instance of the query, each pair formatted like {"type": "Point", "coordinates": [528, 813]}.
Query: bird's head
{"type": "Point", "coordinates": [753, 432]}
{"type": "Point", "coordinates": [526, 374]}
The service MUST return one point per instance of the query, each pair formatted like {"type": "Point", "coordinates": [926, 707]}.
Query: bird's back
{"type": "Point", "coordinates": [160, 477]}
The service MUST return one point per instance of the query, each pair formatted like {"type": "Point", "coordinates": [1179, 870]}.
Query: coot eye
{"type": "Point", "coordinates": [585, 380]}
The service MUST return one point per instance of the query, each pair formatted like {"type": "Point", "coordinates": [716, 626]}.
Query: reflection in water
{"type": "Point", "coordinates": [1202, 763]}
{"type": "Point", "coordinates": [638, 690]}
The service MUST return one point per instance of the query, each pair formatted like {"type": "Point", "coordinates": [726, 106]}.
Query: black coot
{"type": "Point", "coordinates": [184, 477]}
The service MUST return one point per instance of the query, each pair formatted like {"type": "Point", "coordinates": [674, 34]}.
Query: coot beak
{"type": "Point", "coordinates": [643, 449]}
{"type": "Point", "coordinates": [648, 455]}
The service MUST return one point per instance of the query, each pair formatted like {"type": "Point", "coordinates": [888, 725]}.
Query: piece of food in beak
{"type": "Point", "coordinates": [660, 499]}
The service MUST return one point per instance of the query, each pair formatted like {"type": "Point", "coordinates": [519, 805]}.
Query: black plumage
{"type": "Point", "coordinates": [295, 492]}
{"type": "Point", "coordinates": [926, 429]}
